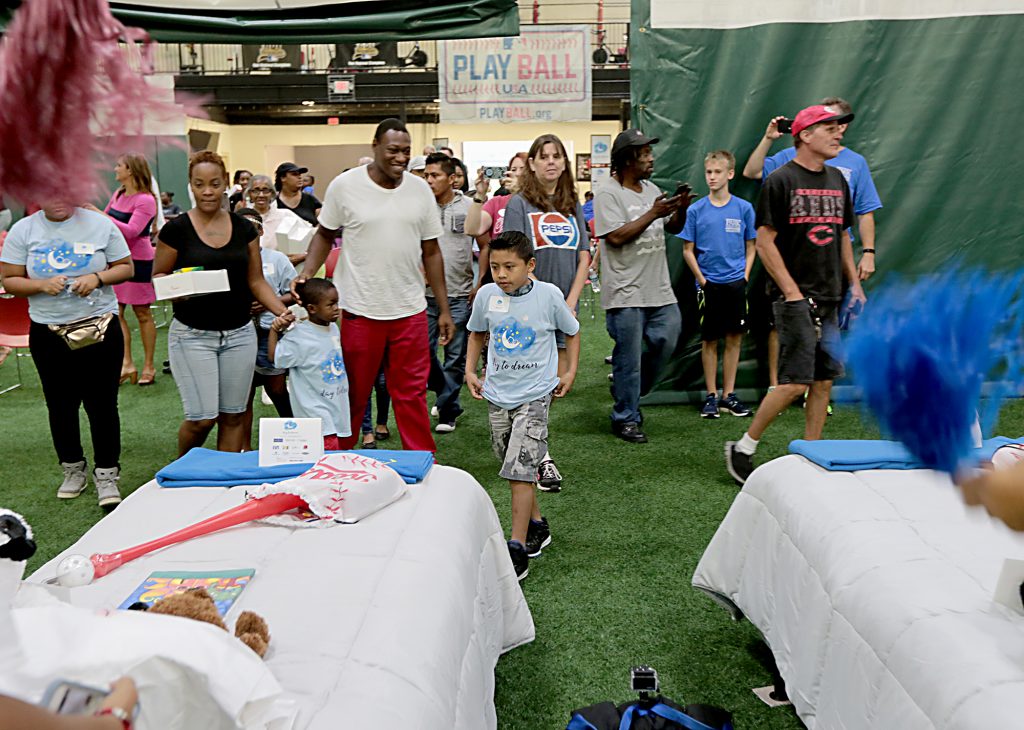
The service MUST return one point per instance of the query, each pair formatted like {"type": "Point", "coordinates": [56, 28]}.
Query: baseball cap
{"type": "Point", "coordinates": [817, 114]}
{"type": "Point", "coordinates": [285, 167]}
{"type": "Point", "coordinates": [631, 138]}
{"type": "Point", "coordinates": [419, 162]}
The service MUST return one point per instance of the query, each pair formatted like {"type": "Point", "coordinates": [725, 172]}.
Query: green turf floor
{"type": "Point", "coordinates": [612, 591]}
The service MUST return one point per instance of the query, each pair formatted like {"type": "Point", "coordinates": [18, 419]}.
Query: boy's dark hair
{"type": "Point", "coordinates": [588, 195]}
{"type": "Point", "coordinates": [312, 291]}
{"type": "Point", "coordinates": [249, 213]}
{"type": "Point", "coordinates": [389, 125]}
{"type": "Point", "coordinates": [515, 242]}
{"type": "Point", "coordinates": [440, 158]}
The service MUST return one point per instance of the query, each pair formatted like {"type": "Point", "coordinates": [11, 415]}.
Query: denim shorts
{"type": "Point", "coordinates": [263, 364]}
{"type": "Point", "coordinates": [213, 368]}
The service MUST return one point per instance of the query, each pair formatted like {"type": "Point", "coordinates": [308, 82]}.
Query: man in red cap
{"type": "Point", "coordinates": [802, 216]}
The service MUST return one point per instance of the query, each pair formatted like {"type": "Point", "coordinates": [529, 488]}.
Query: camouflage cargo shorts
{"type": "Point", "coordinates": [520, 438]}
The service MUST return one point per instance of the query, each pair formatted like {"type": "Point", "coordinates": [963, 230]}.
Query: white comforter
{"type": "Point", "coordinates": [396, 621]}
{"type": "Point", "coordinates": [874, 590]}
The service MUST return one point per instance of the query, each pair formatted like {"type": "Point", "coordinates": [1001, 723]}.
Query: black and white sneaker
{"type": "Point", "coordinates": [538, 537]}
{"type": "Point", "coordinates": [520, 560]}
{"type": "Point", "coordinates": [733, 405]}
{"type": "Point", "coordinates": [710, 407]}
{"type": "Point", "coordinates": [549, 479]}
{"type": "Point", "coordinates": [608, 360]}
{"type": "Point", "coordinates": [737, 463]}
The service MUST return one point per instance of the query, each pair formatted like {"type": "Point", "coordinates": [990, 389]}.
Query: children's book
{"type": "Point", "coordinates": [224, 586]}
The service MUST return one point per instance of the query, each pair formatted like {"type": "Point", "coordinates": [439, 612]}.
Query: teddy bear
{"type": "Point", "coordinates": [196, 603]}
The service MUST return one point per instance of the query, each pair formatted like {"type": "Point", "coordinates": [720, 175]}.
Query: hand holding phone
{"type": "Point", "coordinates": [682, 188]}
{"type": "Point", "coordinates": [785, 126]}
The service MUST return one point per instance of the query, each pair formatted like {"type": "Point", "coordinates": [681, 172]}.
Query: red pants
{"type": "Point", "coordinates": [365, 342]}
{"type": "Point", "coordinates": [331, 443]}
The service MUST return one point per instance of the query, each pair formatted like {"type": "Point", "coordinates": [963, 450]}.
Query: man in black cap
{"type": "Point", "coordinates": [636, 292]}
{"type": "Point", "coordinates": [289, 180]}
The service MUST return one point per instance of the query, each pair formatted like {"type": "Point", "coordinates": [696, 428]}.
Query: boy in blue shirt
{"type": "Point", "coordinates": [311, 350]}
{"type": "Point", "coordinates": [522, 316]}
{"type": "Point", "coordinates": [718, 246]}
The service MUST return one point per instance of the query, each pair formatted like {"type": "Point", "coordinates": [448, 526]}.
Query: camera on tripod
{"type": "Point", "coordinates": [644, 680]}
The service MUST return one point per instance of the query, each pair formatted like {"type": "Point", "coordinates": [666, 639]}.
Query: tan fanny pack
{"type": "Point", "coordinates": [83, 332]}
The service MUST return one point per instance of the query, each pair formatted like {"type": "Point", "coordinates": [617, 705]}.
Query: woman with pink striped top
{"type": "Point", "coordinates": [133, 210]}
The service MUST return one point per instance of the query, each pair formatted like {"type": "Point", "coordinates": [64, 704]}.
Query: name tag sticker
{"type": "Point", "coordinates": [732, 225]}
{"type": "Point", "coordinates": [498, 304]}
{"type": "Point", "coordinates": [268, 269]}
{"type": "Point", "coordinates": [85, 249]}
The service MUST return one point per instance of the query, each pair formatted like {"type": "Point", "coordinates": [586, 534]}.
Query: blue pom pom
{"type": "Point", "coordinates": [923, 352]}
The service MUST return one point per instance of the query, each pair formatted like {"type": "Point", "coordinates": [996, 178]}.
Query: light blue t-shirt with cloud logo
{"type": "Point", "coordinates": [317, 380]}
{"type": "Point", "coordinates": [84, 244]}
{"type": "Point", "coordinates": [522, 357]}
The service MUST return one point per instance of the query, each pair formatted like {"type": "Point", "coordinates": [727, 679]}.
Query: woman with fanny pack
{"type": "Point", "coordinates": [65, 260]}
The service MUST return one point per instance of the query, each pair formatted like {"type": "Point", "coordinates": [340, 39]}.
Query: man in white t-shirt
{"type": "Point", "coordinates": [391, 227]}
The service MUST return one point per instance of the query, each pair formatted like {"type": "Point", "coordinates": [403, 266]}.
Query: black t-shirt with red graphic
{"type": "Point", "coordinates": [809, 211]}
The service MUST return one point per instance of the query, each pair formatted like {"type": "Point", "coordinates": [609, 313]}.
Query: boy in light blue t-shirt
{"type": "Point", "coordinates": [718, 240]}
{"type": "Point", "coordinates": [522, 317]}
{"type": "Point", "coordinates": [311, 350]}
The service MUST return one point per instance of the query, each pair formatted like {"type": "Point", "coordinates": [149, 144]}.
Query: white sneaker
{"type": "Point", "coordinates": [106, 486]}
{"type": "Point", "coordinates": [445, 427]}
{"type": "Point", "coordinates": [75, 480]}
{"type": "Point", "coordinates": [433, 412]}
{"type": "Point", "coordinates": [264, 398]}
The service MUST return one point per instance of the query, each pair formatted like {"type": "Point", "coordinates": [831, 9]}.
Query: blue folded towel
{"type": "Point", "coordinates": [863, 455]}
{"type": "Point", "coordinates": [207, 468]}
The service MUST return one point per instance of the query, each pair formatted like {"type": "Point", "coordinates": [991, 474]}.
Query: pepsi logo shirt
{"type": "Point", "coordinates": [558, 239]}
{"type": "Point", "coordinates": [808, 211]}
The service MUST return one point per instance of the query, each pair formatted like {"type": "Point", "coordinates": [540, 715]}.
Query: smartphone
{"type": "Point", "coordinates": [495, 172]}
{"type": "Point", "coordinates": [785, 126]}
{"type": "Point", "coordinates": [682, 188]}
{"type": "Point", "coordinates": [70, 698]}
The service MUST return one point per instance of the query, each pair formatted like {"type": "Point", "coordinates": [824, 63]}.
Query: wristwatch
{"type": "Point", "coordinates": [478, 201]}
{"type": "Point", "coordinates": [867, 250]}
{"type": "Point", "coordinates": [120, 713]}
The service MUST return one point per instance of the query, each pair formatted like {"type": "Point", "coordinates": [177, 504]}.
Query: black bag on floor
{"type": "Point", "coordinates": [656, 713]}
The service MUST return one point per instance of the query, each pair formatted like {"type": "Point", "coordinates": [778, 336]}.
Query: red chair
{"type": "Point", "coordinates": [14, 325]}
{"type": "Point", "coordinates": [331, 262]}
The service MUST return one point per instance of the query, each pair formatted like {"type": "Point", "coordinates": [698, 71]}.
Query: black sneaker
{"type": "Point", "coordinates": [710, 408]}
{"type": "Point", "coordinates": [520, 560]}
{"type": "Point", "coordinates": [548, 477]}
{"type": "Point", "coordinates": [739, 464]}
{"type": "Point", "coordinates": [732, 404]}
{"type": "Point", "coordinates": [630, 432]}
{"type": "Point", "coordinates": [538, 537]}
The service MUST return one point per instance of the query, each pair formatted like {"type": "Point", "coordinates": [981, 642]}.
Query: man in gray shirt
{"type": "Point", "coordinates": [457, 251]}
{"type": "Point", "coordinates": [636, 292]}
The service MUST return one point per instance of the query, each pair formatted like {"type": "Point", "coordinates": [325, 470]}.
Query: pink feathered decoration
{"type": "Point", "coordinates": [70, 94]}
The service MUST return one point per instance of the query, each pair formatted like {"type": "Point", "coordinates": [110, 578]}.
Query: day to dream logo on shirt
{"type": "Point", "coordinates": [333, 368]}
{"type": "Point", "coordinates": [58, 258]}
{"type": "Point", "coordinates": [511, 337]}
{"type": "Point", "coordinates": [554, 229]}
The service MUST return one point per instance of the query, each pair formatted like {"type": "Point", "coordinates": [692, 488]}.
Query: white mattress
{"type": "Point", "coordinates": [874, 591]}
{"type": "Point", "coordinates": [396, 621]}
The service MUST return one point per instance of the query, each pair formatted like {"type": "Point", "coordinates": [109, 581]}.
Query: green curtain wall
{"type": "Point", "coordinates": [938, 105]}
{"type": "Point", "coordinates": [380, 20]}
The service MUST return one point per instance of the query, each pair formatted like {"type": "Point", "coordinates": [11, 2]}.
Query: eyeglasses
{"type": "Point", "coordinates": [261, 191]}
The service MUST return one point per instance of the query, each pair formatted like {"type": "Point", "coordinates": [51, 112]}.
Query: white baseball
{"type": "Point", "coordinates": [74, 571]}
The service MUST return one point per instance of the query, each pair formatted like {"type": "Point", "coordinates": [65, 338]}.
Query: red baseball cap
{"type": "Point", "coordinates": [817, 114]}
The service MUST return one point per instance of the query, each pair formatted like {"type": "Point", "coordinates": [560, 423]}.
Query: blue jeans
{"type": "Point", "coordinates": [446, 380]}
{"type": "Point", "coordinates": [634, 368]}
{"type": "Point", "coordinates": [383, 404]}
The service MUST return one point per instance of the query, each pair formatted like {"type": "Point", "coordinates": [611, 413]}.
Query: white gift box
{"type": "Point", "coordinates": [293, 235]}
{"type": "Point", "coordinates": [191, 283]}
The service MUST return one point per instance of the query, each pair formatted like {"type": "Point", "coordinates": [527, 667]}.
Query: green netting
{"type": "Point", "coordinates": [937, 103]}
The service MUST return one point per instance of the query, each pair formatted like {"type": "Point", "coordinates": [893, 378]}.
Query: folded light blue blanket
{"type": "Point", "coordinates": [207, 468]}
{"type": "Point", "coordinates": [863, 455]}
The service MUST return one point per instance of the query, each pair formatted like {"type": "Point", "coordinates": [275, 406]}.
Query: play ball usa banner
{"type": "Point", "coordinates": [543, 75]}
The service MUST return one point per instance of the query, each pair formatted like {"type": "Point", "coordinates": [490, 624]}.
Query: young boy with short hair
{"type": "Point", "coordinates": [718, 241]}
{"type": "Point", "coordinates": [522, 316]}
{"type": "Point", "coordinates": [311, 351]}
